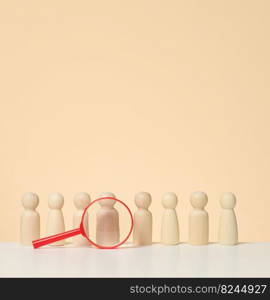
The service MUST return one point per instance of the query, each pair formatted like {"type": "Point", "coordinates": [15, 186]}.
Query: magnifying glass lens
{"type": "Point", "coordinates": [107, 222]}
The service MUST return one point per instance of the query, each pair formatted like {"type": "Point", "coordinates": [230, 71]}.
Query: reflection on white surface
{"type": "Point", "coordinates": [243, 260]}
{"type": "Point", "coordinates": [226, 260]}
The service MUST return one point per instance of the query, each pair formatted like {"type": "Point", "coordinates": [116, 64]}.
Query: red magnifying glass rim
{"type": "Point", "coordinates": [107, 247]}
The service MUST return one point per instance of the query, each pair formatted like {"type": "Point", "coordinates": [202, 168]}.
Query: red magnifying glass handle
{"type": "Point", "coordinates": [57, 237]}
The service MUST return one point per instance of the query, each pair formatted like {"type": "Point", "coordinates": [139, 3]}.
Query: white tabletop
{"type": "Point", "coordinates": [243, 260]}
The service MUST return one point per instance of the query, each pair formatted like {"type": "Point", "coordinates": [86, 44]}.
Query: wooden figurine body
{"type": "Point", "coordinates": [107, 229]}
{"type": "Point", "coordinates": [170, 226]}
{"type": "Point", "coordinates": [55, 221]}
{"type": "Point", "coordinates": [228, 231]}
{"type": "Point", "coordinates": [142, 232]}
{"type": "Point", "coordinates": [198, 220]}
{"type": "Point", "coordinates": [81, 201]}
{"type": "Point", "coordinates": [30, 219]}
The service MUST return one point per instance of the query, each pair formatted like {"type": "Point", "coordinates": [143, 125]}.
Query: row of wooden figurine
{"type": "Point", "coordinates": [142, 233]}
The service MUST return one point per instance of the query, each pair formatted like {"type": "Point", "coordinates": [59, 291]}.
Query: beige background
{"type": "Point", "coordinates": [125, 96]}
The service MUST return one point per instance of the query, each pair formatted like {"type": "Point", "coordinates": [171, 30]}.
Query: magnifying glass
{"type": "Point", "coordinates": [107, 218]}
